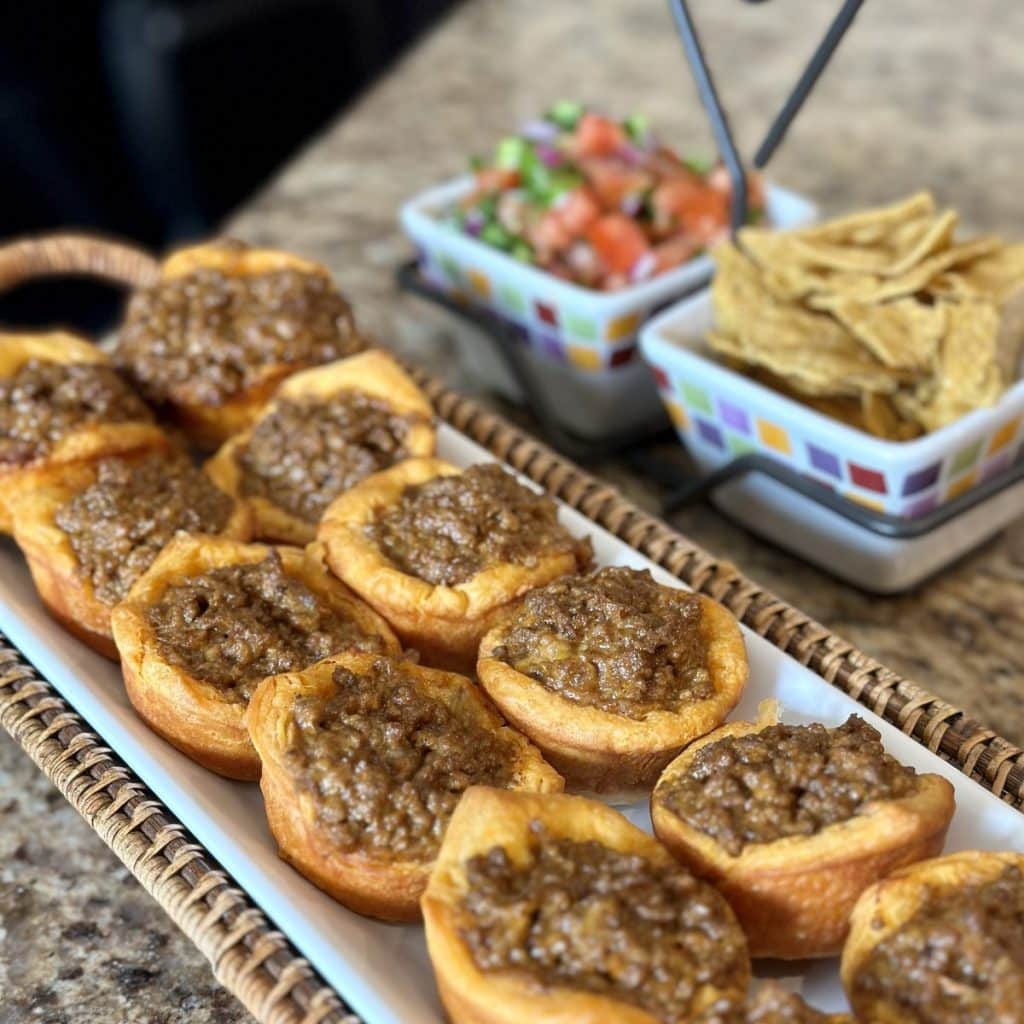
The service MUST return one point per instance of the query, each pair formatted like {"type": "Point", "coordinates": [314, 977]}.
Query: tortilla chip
{"type": "Point", "coordinates": [967, 375]}
{"type": "Point", "coordinates": [879, 416]}
{"type": "Point", "coordinates": [906, 247]}
{"type": "Point", "coordinates": [998, 274]}
{"type": "Point", "coordinates": [870, 227]}
{"type": "Point", "coordinates": [904, 334]}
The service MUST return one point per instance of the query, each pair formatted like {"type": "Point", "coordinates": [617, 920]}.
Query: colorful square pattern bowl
{"type": "Point", "coordinates": [590, 336]}
{"type": "Point", "coordinates": [720, 414]}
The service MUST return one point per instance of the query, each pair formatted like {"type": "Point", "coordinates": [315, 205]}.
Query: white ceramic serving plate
{"type": "Point", "coordinates": [382, 970]}
{"type": "Point", "coordinates": [582, 342]}
{"type": "Point", "coordinates": [720, 414]}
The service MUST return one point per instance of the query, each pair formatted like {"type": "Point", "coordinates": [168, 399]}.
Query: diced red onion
{"type": "Point", "coordinates": [474, 223]}
{"type": "Point", "coordinates": [540, 131]}
{"type": "Point", "coordinates": [632, 155]}
{"type": "Point", "coordinates": [644, 267]}
{"type": "Point", "coordinates": [549, 155]}
{"type": "Point", "coordinates": [632, 203]}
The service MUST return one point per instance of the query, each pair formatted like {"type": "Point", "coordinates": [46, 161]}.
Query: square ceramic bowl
{"type": "Point", "coordinates": [582, 342]}
{"type": "Point", "coordinates": [719, 414]}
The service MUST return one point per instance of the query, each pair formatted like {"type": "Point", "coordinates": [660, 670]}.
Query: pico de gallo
{"type": "Point", "coordinates": [599, 202]}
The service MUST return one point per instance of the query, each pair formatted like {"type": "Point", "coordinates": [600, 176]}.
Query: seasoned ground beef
{"type": "Point", "coordinates": [617, 641]}
{"type": "Point", "coordinates": [205, 337]}
{"type": "Point", "coordinates": [236, 625]}
{"type": "Point", "coordinates": [305, 453]}
{"type": "Point", "coordinates": [448, 529]}
{"type": "Point", "coordinates": [44, 401]}
{"type": "Point", "coordinates": [388, 762]}
{"type": "Point", "coordinates": [581, 915]}
{"type": "Point", "coordinates": [772, 1004]}
{"type": "Point", "coordinates": [958, 960]}
{"type": "Point", "coordinates": [120, 523]}
{"type": "Point", "coordinates": [786, 780]}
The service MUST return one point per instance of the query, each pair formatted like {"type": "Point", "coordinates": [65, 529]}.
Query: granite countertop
{"type": "Point", "coordinates": [920, 95]}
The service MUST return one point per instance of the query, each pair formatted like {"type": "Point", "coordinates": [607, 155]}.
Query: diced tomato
{"type": "Point", "coordinates": [670, 197]}
{"type": "Point", "coordinates": [612, 180]}
{"type": "Point", "coordinates": [549, 234]}
{"type": "Point", "coordinates": [577, 210]}
{"type": "Point", "coordinates": [705, 215]}
{"type": "Point", "coordinates": [665, 164]}
{"type": "Point", "coordinates": [674, 252]}
{"type": "Point", "coordinates": [618, 241]}
{"type": "Point", "coordinates": [597, 136]}
{"type": "Point", "coordinates": [494, 179]}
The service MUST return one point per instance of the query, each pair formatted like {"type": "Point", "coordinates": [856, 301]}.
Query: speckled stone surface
{"type": "Point", "coordinates": [925, 93]}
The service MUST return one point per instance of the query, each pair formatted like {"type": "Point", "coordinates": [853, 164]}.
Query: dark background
{"type": "Point", "coordinates": [153, 119]}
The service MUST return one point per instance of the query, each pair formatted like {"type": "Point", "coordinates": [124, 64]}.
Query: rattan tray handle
{"type": "Point", "coordinates": [75, 255]}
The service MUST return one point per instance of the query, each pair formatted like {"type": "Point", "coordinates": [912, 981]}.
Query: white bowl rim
{"type": "Point", "coordinates": [692, 274]}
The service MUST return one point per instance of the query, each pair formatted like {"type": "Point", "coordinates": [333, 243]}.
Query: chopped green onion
{"type": "Point", "coordinates": [512, 152]}
{"type": "Point", "coordinates": [637, 127]}
{"type": "Point", "coordinates": [563, 180]}
{"type": "Point", "coordinates": [701, 165]}
{"type": "Point", "coordinates": [522, 251]}
{"type": "Point", "coordinates": [494, 234]}
{"type": "Point", "coordinates": [488, 206]}
{"type": "Point", "coordinates": [566, 114]}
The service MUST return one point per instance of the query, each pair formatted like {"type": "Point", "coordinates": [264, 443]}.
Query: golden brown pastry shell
{"type": "Point", "coordinates": [190, 714]}
{"type": "Point", "coordinates": [374, 373]}
{"type": "Point", "coordinates": [209, 426]}
{"type": "Point", "coordinates": [86, 442]}
{"type": "Point", "coordinates": [603, 752]}
{"type": "Point", "coordinates": [66, 594]}
{"type": "Point", "coordinates": [794, 896]}
{"type": "Point", "coordinates": [445, 624]}
{"type": "Point", "coordinates": [386, 888]}
{"type": "Point", "coordinates": [486, 818]}
{"type": "Point", "coordinates": [890, 903]}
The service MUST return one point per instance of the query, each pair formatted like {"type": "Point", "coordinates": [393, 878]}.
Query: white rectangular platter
{"type": "Point", "coordinates": [381, 970]}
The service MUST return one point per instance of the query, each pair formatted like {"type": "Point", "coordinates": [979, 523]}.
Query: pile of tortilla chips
{"type": "Point", "coordinates": [880, 319]}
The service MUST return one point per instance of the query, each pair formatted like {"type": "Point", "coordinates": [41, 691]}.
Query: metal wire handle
{"type": "Point", "coordinates": [780, 125]}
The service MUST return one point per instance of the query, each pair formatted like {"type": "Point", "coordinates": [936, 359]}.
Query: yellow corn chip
{"type": "Point", "coordinates": [967, 376]}
{"type": "Point", "coordinates": [904, 334]}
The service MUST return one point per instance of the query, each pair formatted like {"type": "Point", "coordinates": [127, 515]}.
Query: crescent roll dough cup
{"type": "Point", "coordinates": [488, 818]}
{"type": "Point", "coordinates": [85, 441]}
{"type": "Point", "coordinates": [794, 895]}
{"type": "Point", "coordinates": [206, 424]}
{"type": "Point", "coordinates": [374, 374]}
{"type": "Point", "coordinates": [444, 623]}
{"type": "Point", "coordinates": [67, 593]}
{"type": "Point", "coordinates": [602, 751]}
{"type": "Point", "coordinates": [191, 714]}
{"type": "Point", "coordinates": [373, 882]}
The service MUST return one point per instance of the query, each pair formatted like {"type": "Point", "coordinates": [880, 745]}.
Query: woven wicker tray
{"type": "Point", "coordinates": [248, 957]}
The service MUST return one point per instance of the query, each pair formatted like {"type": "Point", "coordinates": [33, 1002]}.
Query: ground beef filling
{"type": "Point", "coordinates": [388, 762]}
{"type": "Point", "coordinates": [234, 626]}
{"type": "Point", "coordinates": [206, 337]}
{"type": "Point", "coordinates": [772, 1004]}
{"type": "Point", "coordinates": [958, 960]}
{"type": "Point", "coordinates": [581, 915]}
{"type": "Point", "coordinates": [118, 525]}
{"type": "Point", "coordinates": [786, 780]}
{"type": "Point", "coordinates": [448, 529]}
{"type": "Point", "coordinates": [44, 401]}
{"type": "Point", "coordinates": [616, 641]}
{"type": "Point", "coordinates": [305, 453]}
